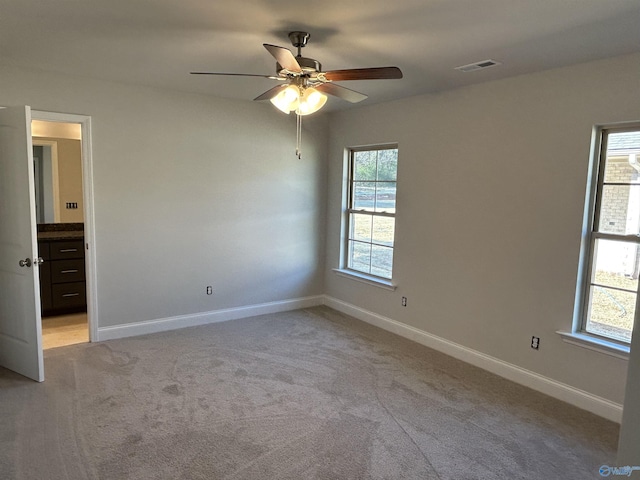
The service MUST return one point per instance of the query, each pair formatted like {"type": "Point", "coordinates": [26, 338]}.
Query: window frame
{"type": "Point", "coordinates": [593, 209]}
{"type": "Point", "coordinates": [367, 277]}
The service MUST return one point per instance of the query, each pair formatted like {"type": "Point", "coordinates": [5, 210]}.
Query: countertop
{"type": "Point", "coordinates": [60, 231]}
{"type": "Point", "coordinates": [61, 235]}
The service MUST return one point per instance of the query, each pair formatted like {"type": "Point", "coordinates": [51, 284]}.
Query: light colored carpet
{"type": "Point", "coordinates": [310, 394]}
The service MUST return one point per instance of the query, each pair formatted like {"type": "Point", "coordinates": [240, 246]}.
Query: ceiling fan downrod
{"type": "Point", "coordinates": [299, 39]}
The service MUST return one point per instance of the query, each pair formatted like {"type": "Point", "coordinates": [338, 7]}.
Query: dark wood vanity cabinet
{"type": "Point", "coordinates": [62, 277]}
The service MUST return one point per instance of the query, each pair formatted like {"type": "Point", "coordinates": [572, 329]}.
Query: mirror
{"type": "Point", "coordinates": [57, 163]}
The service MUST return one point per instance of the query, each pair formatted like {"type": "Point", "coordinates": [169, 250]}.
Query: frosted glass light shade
{"type": "Point", "coordinates": [287, 100]}
{"type": "Point", "coordinates": [311, 101]}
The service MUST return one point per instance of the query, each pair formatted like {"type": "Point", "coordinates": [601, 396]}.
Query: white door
{"type": "Point", "coordinates": [20, 322]}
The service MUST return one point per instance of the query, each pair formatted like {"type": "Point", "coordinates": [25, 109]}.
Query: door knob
{"type": "Point", "coordinates": [38, 261]}
{"type": "Point", "coordinates": [25, 263]}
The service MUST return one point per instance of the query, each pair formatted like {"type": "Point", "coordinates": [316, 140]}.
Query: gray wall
{"type": "Point", "coordinates": [192, 191]}
{"type": "Point", "coordinates": [491, 188]}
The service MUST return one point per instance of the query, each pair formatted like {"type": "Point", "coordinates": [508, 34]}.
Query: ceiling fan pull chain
{"type": "Point", "coordinates": [299, 136]}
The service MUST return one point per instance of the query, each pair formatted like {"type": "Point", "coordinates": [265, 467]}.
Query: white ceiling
{"type": "Point", "coordinates": [157, 42]}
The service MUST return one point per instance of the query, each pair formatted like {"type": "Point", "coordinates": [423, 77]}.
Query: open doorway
{"type": "Point", "coordinates": [58, 150]}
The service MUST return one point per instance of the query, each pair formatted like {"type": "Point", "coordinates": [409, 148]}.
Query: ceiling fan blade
{"type": "Point", "coordinates": [269, 94]}
{"type": "Point", "coordinates": [341, 92]}
{"type": "Point", "coordinates": [284, 57]}
{"type": "Point", "coordinates": [238, 75]}
{"type": "Point", "coordinates": [377, 73]}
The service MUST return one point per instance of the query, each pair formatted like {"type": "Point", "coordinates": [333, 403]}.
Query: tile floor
{"type": "Point", "coordinates": [64, 330]}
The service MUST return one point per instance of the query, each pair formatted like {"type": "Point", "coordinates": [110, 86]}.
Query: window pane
{"type": "Point", "coordinates": [364, 165]}
{"type": "Point", "coordinates": [387, 165]}
{"type": "Point", "coordinates": [381, 261]}
{"type": "Point", "coordinates": [364, 195]}
{"type": "Point", "coordinates": [611, 313]}
{"type": "Point", "coordinates": [620, 209]}
{"type": "Point", "coordinates": [360, 227]}
{"type": "Point", "coordinates": [616, 264]}
{"type": "Point", "coordinates": [618, 168]}
{"type": "Point", "coordinates": [360, 256]}
{"type": "Point", "coordinates": [386, 197]}
{"type": "Point", "coordinates": [383, 230]}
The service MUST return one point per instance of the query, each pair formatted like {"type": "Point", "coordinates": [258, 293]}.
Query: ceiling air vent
{"type": "Point", "coordinates": [477, 66]}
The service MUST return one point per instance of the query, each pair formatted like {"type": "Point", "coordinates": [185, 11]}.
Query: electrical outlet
{"type": "Point", "coordinates": [404, 301]}
{"type": "Point", "coordinates": [209, 290]}
{"type": "Point", "coordinates": [535, 342]}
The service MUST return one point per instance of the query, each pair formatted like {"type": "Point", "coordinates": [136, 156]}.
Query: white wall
{"type": "Point", "coordinates": [491, 188]}
{"type": "Point", "coordinates": [191, 191]}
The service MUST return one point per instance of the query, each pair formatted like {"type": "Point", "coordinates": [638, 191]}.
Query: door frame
{"type": "Point", "coordinates": [89, 211]}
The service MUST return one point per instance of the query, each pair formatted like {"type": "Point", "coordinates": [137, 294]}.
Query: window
{"type": "Point", "coordinates": [610, 286]}
{"type": "Point", "coordinates": [371, 208]}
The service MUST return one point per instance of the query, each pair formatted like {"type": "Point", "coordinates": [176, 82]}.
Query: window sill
{"type": "Point", "coordinates": [597, 344]}
{"type": "Point", "coordinates": [364, 278]}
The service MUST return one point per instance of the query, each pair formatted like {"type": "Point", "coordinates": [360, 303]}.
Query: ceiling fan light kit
{"type": "Point", "coordinates": [303, 101]}
{"type": "Point", "coordinates": [306, 85]}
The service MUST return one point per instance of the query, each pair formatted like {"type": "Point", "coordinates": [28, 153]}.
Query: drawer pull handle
{"type": "Point", "coordinates": [70, 294]}
{"type": "Point", "coordinates": [68, 250]}
{"type": "Point", "coordinates": [69, 271]}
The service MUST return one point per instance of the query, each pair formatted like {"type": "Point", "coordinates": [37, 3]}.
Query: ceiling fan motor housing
{"type": "Point", "coordinates": [308, 66]}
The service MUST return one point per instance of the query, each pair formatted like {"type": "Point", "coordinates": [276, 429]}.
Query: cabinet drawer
{"type": "Point", "coordinates": [63, 271]}
{"type": "Point", "coordinates": [67, 295]}
{"type": "Point", "coordinates": [65, 250]}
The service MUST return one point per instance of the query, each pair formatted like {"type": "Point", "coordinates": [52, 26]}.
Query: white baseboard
{"type": "Point", "coordinates": [195, 319]}
{"type": "Point", "coordinates": [574, 396]}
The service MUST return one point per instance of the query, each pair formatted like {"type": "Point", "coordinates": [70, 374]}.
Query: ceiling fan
{"type": "Point", "coordinates": [304, 84]}
{"type": "Point", "coordinates": [305, 73]}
